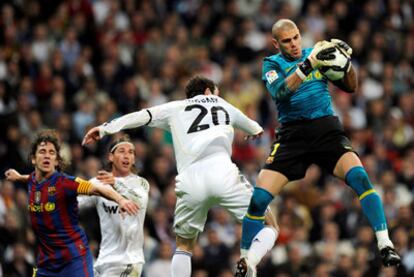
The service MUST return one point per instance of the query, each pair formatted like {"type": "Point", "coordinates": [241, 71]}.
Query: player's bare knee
{"type": "Point", "coordinates": [185, 244]}
{"type": "Point", "coordinates": [271, 181]}
{"type": "Point", "coordinates": [345, 163]}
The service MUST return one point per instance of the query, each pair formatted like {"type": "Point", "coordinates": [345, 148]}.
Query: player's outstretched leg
{"type": "Point", "coordinates": [243, 269]}
{"type": "Point", "coordinates": [389, 256]}
{"type": "Point", "coordinates": [253, 223]}
{"type": "Point", "coordinates": [181, 261]}
{"type": "Point", "coordinates": [254, 219]}
{"type": "Point", "coordinates": [357, 179]}
{"type": "Point", "coordinates": [262, 243]}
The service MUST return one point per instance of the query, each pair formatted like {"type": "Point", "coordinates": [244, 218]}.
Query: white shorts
{"type": "Point", "coordinates": [213, 181]}
{"type": "Point", "coordinates": [117, 270]}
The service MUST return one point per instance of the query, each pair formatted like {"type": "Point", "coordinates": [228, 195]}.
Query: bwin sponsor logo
{"type": "Point", "coordinates": [110, 209]}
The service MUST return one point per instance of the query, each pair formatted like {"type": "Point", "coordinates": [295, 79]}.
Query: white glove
{"type": "Point", "coordinates": [322, 55]}
{"type": "Point", "coordinates": [342, 46]}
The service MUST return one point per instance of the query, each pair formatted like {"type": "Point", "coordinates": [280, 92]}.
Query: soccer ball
{"type": "Point", "coordinates": [339, 66]}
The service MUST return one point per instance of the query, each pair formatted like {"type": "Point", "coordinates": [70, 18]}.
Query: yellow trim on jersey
{"type": "Point", "coordinates": [275, 147]}
{"type": "Point", "coordinates": [255, 217]}
{"type": "Point", "coordinates": [365, 194]}
{"type": "Point", "coordinates": [84, 187]}
{"type": "Point", "coordinates": [34, 271]}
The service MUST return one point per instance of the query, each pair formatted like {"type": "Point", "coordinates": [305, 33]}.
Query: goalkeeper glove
{"type": "Point", "coordinates": [321, 55]}
{"type": "Point", "coordinates": [342, 46]}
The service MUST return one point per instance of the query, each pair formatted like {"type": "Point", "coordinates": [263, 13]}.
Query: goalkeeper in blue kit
{"type": "Point", "coordinates": [309, 133]}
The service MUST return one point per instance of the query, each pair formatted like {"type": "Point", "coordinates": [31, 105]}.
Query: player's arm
{"type": "Point", "coordinates": [276, 81]}
{"type": "Point", "coordinates": [241, 121]}
{"type": "Point", "coordinates": [349, 82]}
{"type": "Point", "coordinates": [87, 201]}
{"type": "Point", "coordinates": [282, 87]}
{"type": "Point", "coordinates": [128, 121]}
{"type": "Point", "coordinates": [108, 178]}
{"type": "Point", "coordinates": [14, 176]}
{"type": "Point", "coordinates": [88, 188]}
{"type": "Point", "coordinates": [156, 116]}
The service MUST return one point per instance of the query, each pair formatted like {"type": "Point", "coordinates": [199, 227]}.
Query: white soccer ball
{"type": "Point", "coordinates": [339, 66]}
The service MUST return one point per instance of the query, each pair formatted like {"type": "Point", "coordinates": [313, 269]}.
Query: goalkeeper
{"type": "Point", "coordinates": [310, 133]}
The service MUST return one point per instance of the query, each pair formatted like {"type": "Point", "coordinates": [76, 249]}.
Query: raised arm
{"type": "Point", "coordinates": [14, 176]}
{"type": "Point", "coordinates": [251, 127]}
{"type": "Point", "coordinates": [350, 81]}
{"type": "Point", "coordinates": [128, 121]}
{"type": "Point", "coordinates": [282, 86]}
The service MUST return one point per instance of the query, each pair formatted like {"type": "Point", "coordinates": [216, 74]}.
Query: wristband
{"type": "Point", "coordinates": [300, 74]}
{"type": "Point", "coordinates": [349, 66]}
{"type": "Point", "coordinates": [305, 67]}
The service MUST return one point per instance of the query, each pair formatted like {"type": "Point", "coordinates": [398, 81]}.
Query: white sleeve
{"type": "Point", "coordinates": [160, 115]}
{"type": "Point", "coordinates": [86, 201]}
{"type": "Point", "coordinates": [241, 121]}
{"type": "Point", "coordinates": [128, 121]}
{"type": "Point", "coordinates": [156, 116]}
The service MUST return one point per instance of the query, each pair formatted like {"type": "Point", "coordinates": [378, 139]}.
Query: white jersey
{"type": "Point", "coordinates": [122, 238]}
{"type": "Point", "coordinates": [200, 126]}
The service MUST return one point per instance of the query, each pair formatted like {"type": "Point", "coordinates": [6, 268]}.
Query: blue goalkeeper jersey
{"type": "Point", "coordinates": [311, 100]}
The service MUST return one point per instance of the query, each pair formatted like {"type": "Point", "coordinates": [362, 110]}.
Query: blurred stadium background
{"type": "Point", "coordinates": [73, 64]}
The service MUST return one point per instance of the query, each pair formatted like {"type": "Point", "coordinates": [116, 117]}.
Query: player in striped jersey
{"type": "Point", "coordinates": [62, 245]}
{"type": "Point", "coordinates": [121, 247]}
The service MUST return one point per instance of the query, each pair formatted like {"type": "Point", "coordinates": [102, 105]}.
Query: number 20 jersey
{"type": "Point", "coordinates": [200, 126]}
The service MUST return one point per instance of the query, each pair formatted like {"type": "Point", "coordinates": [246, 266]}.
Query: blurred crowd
{"type": "Point", "coordinates": [73, 64]}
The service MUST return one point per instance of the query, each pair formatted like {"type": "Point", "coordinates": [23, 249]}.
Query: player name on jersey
{"type": "Point", "coordinates": [203, 100]}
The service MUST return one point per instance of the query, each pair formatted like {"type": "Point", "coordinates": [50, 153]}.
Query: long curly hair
{"type": "Point", "coordinates": [48, 135]}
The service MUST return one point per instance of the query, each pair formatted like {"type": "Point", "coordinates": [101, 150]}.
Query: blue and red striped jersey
{"type": "Point", "coordinates": [53, 209]}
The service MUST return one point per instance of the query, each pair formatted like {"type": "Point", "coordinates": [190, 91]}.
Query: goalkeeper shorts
{"type": "Point", "coordinates": [299, 144]}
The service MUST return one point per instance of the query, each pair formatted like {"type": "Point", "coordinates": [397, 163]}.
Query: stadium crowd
{"type": "Point", "coordinates": [74, 64]}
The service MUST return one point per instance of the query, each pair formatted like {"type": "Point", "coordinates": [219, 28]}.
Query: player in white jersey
{"type": "Point", "coordinates": [121, 247]}
{"type": "Point", "coordinates": [202, 131]}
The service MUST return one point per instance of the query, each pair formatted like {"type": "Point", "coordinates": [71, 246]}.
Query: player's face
{"type": "Point", "coordinates": [45, 159]}
{"type": "Point", "coordinates": [123, 159]}
{"type": "Point", "coordinates": [289, 42]}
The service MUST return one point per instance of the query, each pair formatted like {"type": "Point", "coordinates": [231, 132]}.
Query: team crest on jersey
{"type": "Point", "coordinates": [271, 76]}
{"type": "Point", "coordinates": [51, 190]}
{"type": "Point", "coordinates": [270, 160]}
{"type": "Point", "coordinates": [38, 196]}
{"type": "Point", "coordinates": [49, 206]}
